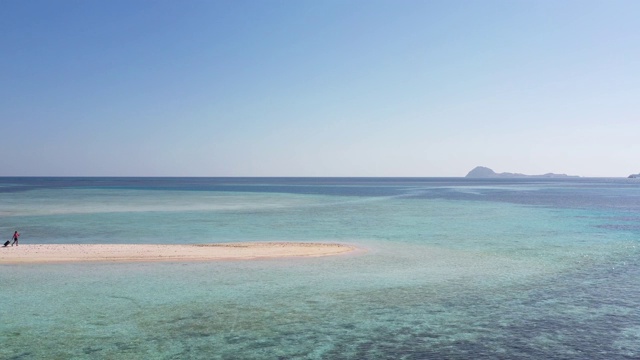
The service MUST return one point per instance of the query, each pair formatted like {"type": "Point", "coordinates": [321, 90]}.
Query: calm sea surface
{"type": "Point", "coordinates": [451, 269]}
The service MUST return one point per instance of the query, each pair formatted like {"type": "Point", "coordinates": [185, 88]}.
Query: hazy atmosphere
{"type": "Point", "coordinates": [319, 88]}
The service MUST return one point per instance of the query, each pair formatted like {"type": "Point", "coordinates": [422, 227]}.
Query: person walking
{"type": "Point", "coordinates": [16, 235]}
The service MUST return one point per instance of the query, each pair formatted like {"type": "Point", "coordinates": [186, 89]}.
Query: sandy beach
{"type": "Point", "coordinates": [67, 253]}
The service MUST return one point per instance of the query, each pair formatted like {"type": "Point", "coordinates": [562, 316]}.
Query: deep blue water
{"type": "Point", "coordinates": [451, 268]}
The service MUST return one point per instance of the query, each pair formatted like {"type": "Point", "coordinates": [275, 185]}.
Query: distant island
{"type": "Point", "coordinates": [634, 176]}
{"type": "Point", "coordinates": [485, 172]}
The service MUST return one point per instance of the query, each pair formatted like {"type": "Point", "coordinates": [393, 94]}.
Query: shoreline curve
{"type": "Point", "coordinates": [75, 253]}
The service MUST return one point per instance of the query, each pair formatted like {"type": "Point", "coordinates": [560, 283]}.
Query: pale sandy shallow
{"type": "Point", "coordinates": [66, 253]}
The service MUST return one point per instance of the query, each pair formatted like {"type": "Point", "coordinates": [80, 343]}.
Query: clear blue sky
{"type": "Point", "coordinates": [319, 88]}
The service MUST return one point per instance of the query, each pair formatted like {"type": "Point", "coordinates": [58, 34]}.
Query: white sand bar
{"type": "Point", "coordinates": [66, 253]}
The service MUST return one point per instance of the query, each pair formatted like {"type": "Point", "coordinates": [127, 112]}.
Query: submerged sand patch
{"type": "Point", "coordinates": [64, 253]}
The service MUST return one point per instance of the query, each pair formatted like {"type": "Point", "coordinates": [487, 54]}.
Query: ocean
{"type": "Point", "coordinates": [448, 268]}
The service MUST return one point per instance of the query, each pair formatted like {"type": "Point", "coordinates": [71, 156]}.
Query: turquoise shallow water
{"type": "Point", "coordinates": [450, 268]}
